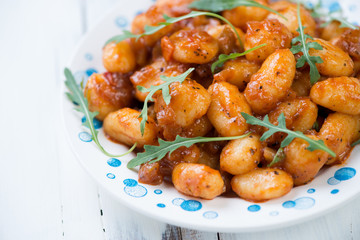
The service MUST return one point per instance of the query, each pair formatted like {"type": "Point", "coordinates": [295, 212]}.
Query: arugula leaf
{"type": "Point", "coordinates": [304, 47]}
{"type": "Point", "coordinates": [281, 127]}
{"type": "Point", "coordinates": [77, 97]}
{"type": "Point", "coordinates": [156, 153]}
{"type": "Point", "coordinates": [279, 156]}
{"type": "Point", "coordinates": [148, 30]}
{"type": "Point", "coordinates": [316, 126]}
{"type": "Point", "coordinates": [223, 57]}
{"type": "Point", "coordinates": [342, 20]}
{"type": "Point", "coordinates": [221, 5]}
{"type": "Point", "coordinates": [355, 143]}
{"type": "Point", "coordinates": [317, 11]}
{"type": "Point", "coordinates": [164, 87]}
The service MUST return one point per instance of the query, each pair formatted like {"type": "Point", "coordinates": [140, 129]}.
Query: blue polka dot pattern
{"type": "Point", "coordinates": [158, 191]}
{"type": "Point", "coordinates": [191, 205]}
{"type": "Point", "coordinates": [130, 182]}
{"type": "Point", "coordinates": [311, 190]}
{"type": "Point", "coordinates": [132, 188]}
{"type": "Point", "coordinates": [137, 191]}
{"type": "Point", "coordinates": [113, 162]}
{"type": "Point", "coordinates": [138, 12]}
{"type": "Point", "coordinates": [334, 7]}
{"type": "Point", "coordinates": [300, 203]}
{"type": "Point", "coordinates": [309, 5]}
{"type": "Point", "coordinates": [254, 208]}
{"type": "Point", "coordinates": [304, 203]}
{"type": "Point", "coordinates": [333, 181]}
{"type": "Point", "coordinates": [344, 174]}
{"type": "Point", "coordinates": [210, 215]}
{"type": "Point", "coordinates": [110, 175]}
{"type": "Point", "coordinates": [352, 8]}
{"type": "Point", "coordinates": [178, 201]}
{"type": "Point", "coordinates": [88, 56]}
{"type": "Point", "coordinates": [274, 213]}
{"type": "Point", "coordinates": [288, 204]}
{"type": "Point", "coordinates": [90, 71]}
{"type": "Point", "coordinates": [97, 123]}
{"type": "Point", "coordinates": [160, 205]}
{"type": "Point", "coordinates": [331, 5]}
{"type": "Point", "coordinates": [335, 191]}
{"type": "Point", "coordinates": [85, 137]}
{"type": "Point", "coordinates": [121, 22]}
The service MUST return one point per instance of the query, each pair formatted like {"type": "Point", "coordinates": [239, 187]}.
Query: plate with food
{"type": "Point", "coordinates": [220, 115]}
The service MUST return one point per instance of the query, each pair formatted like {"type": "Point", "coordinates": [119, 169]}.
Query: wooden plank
{"type": "Point", "coordinates": [29, 179]}
{"type": "Point", "coordinates": [172, 232]}
{"type": "Point", "coordinates": [355, 219]}
{"type": "Point", "coordinates": [121, 222]}
{"type": "Point", "coordinates": [81, 217]}
{"type": "Point", "coordinates": [197, 235]}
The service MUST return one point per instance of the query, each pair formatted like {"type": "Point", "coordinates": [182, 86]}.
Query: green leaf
{"type": "Point", "coordinates": [344, 22]}
{"type": "Point", "coordinates": [76, 96]}
{"type": "Point", "coordinates": [316, 126]}
{"type": "Point", "coordinates": [164, 87]}
{"type": "Point", "coordinates": [279, 156]}
{"type": "Point", "coordinates": [313, 144]}
{"type": "Point", "coordinates": [355, 143]}
{"type": "Point", "coordinates": [317, 11]}
{"type": "Point", "coordinates": [148, 30]}
{"type": "Point", "coordinates": [223, 57]}
{"type": "Point", "coordinates": [156, 153]}
{"type": "Point", "coordinates": [299, 44]}
{"type": "Point", "coordinates": [118, 38]}
{"type": "Point", "coordinates": [221, 5]}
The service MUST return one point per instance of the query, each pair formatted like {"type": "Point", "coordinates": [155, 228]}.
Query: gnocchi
{"type": "Point", "coordinates": [302, 163]}
{"type": "Point", "coordinates": [336, 62]}
{"type": "Point", "coordinates": [198, 180]}
{"type": "Point", "coordinates": [340, 94]}
{"type": "Point", "coordinates": [207, 123]}
{"type": "Point", "coordinates": [262, 184]}
{"type": "Point", "coordinates": [271, 83]}
{"type": "Point", "coordinates": [225, 109]}
{"type": "Point", "coordinates": [239, 16]}
{"type": "Point", "coordinates": [123, 126]}
{"type": "Point", "coordinates": [107, 93]}
{"type": "Point", "coordinates": [241, 156]}
{"type": "Point", "coordinates": [270, 32]}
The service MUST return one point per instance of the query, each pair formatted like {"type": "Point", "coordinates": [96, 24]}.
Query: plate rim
{"type": "Point", "coordinates": [165, 218]}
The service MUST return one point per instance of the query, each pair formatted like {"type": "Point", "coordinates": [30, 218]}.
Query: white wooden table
{"type": "Point", "coordinates": [44, 193]}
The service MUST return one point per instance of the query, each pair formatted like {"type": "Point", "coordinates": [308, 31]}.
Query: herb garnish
{"type": "Point", "coordinates": [77, 97]}
{"type": "Point", "coordinates": [316, 126]}
{"type": "Point", "coordinates": [164, 87]}
{"type": "Point", "coordinates": [281, 127]}
{"type": "Point", "coordinates": [156, 153]}
{"type": "Point", "coordinates": [221, 5]}
{"type": "Point", "coordinates": [148, 30]}
{"type": "Point", "coordinates": [223, 57]}
{"type": "Point", "coordinates": [355, 143]}
{"type": "Point", "coordinates": [317, 11]}
{"type": "Point", "coordinates": [343, 21]}
{"type": "Point", "coordinates": [279, 156]}
{"type": "Point", "coordinates": [304, 47]}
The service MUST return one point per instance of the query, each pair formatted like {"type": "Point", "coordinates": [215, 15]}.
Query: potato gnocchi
{"type": "Point", "coordinates": [210, 102]}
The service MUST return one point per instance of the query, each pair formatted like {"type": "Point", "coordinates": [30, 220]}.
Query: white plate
{"type": "Point", "coordinates": [330, 188]}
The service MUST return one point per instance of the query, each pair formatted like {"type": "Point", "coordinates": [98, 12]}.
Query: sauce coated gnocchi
{"type": "Point", "coordinates": [267, 83]}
